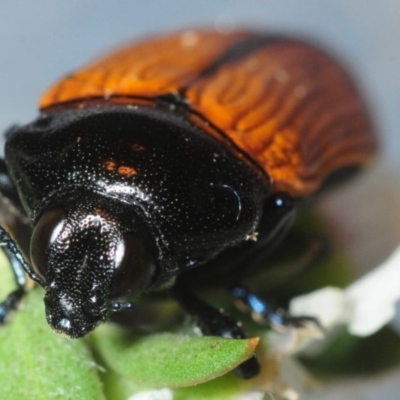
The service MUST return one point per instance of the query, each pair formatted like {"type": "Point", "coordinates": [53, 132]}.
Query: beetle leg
{"type": "Point", "coordinates": [307, 251]}
{"type": "Point", "coordinates": [15, 217]}
{"type": "Point", "coordinates": [213, 322]}
{"type": "Point", "coordinates": [265, 312]}
{"type": "Point", "coordinates": [11, 200]}
{"type": "Point", "coordinates": [19, 267]}
{"type": "Point", "coordinates": [12, 301]}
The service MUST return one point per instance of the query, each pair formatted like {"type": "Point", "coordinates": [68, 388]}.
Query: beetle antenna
{"type": "Point", "coordinates": [11, 246]}
{"type": "Point", "coordinates": [120, 306]}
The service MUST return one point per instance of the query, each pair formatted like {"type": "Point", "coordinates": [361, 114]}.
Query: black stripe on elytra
{"type": "Point", "coordinates": [235, 52]}
{"type": "Point", "coordinates": [240, 50]}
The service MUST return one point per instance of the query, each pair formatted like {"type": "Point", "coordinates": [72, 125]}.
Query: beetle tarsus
{"type": "Point", "coordinates": [248, 369]}
{"type": "Point", "coordinates": [264, 312]}
{"type": "Point", "coordinates": [10, 303]}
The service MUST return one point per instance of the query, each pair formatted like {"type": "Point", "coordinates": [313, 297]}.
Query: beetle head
{"type": "Point", "coordinates": [86, 263]}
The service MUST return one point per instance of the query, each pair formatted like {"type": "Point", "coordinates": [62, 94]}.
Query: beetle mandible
{"type": "Point", "coordinates": [164, 154]}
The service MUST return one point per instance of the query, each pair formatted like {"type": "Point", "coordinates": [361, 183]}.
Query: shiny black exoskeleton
{"type": "Point", "coordinates": [121, 200]}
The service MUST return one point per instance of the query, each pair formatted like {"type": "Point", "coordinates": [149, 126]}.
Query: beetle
{"type": "Point", "coordinates": [164, 154]}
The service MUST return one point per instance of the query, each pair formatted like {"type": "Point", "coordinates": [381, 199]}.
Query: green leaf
{"type": "Point", "coordinates": [38, 364]}
{"type": "Point", "coordinates": [170, 360]}
{"type": "Point", "coordinates": [226, 387]}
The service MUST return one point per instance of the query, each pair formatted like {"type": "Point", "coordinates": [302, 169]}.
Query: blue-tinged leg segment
{"type": "Point", "coordinates": [264, 312]}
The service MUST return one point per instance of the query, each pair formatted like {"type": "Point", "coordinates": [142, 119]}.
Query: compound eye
{"type": "Point", "coordinates": [133, 267]}
{"type": "Point", "coordinates": [44, 234]}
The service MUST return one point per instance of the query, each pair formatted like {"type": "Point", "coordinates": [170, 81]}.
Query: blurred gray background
{"type": "Point", "coordinates": [42, 40]}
